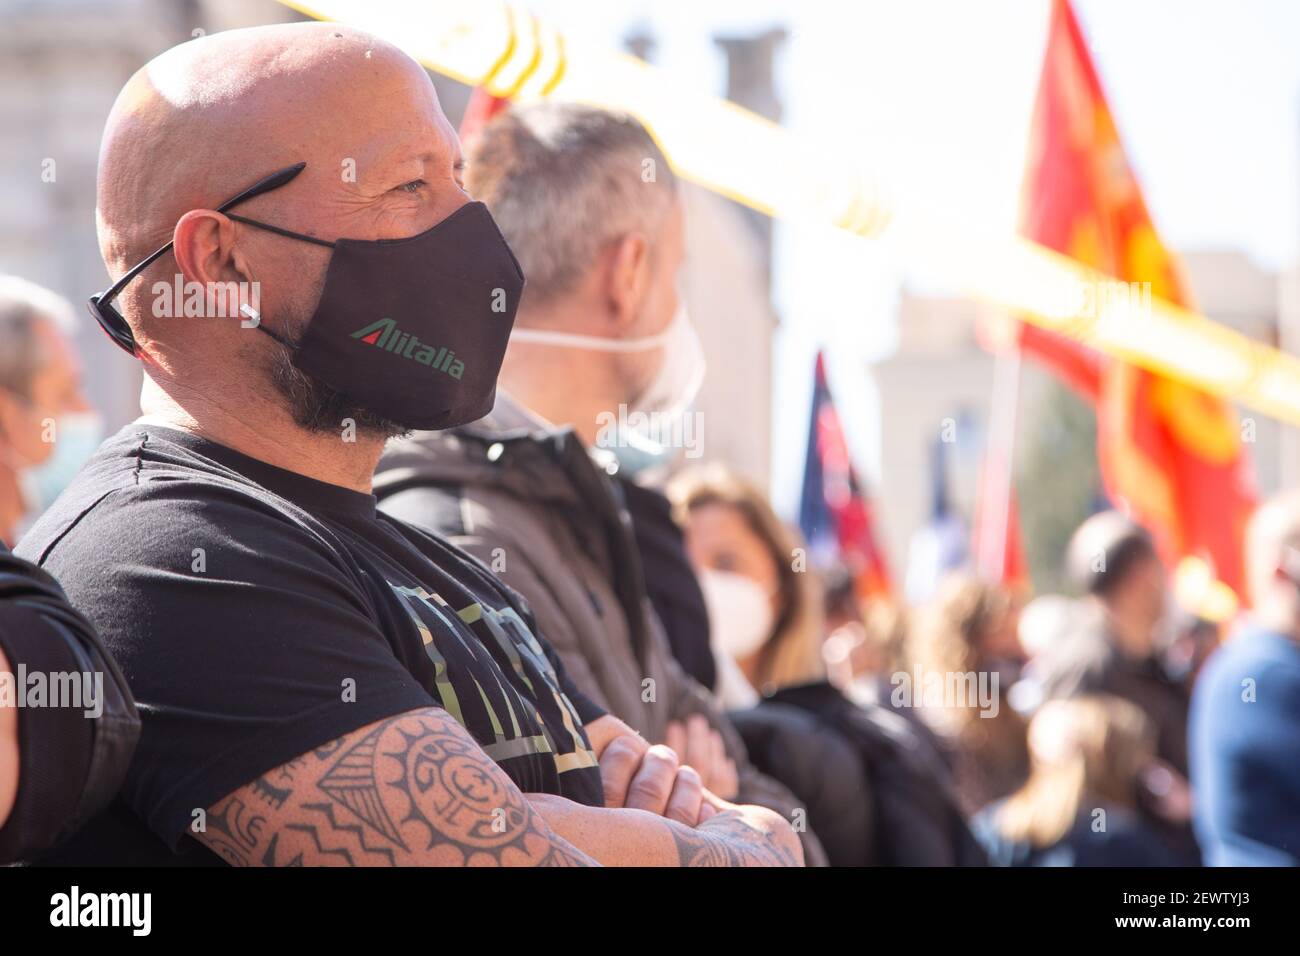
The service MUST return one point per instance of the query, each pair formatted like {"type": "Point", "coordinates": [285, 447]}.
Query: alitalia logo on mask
{"type": "Point", "coordinates": [386, 335]}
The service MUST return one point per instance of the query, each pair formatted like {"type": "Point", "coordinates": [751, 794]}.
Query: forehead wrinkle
{"type": "Point", "coordinates": [207, 105]}
{"type": "Point", "coordinates": [416, 145]}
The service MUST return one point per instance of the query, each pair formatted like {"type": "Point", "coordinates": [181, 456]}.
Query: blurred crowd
{"type": "Point", "coordinates": [609, 579]}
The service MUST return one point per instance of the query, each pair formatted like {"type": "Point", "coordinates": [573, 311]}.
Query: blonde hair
{"type": "Point", "coordinates": [1083, 749]}
{"type": "Point", "coordinates": [887, 627]}
{"type": "Point", "coordinates": [793, 653]}
{"type": "Point", "coordinates": [945, 635]}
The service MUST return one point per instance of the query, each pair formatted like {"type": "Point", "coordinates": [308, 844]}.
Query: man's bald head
{"type": "Point", "coordinates": [208, 118]}
{"type": "Point", "coordinates": [204, 119]}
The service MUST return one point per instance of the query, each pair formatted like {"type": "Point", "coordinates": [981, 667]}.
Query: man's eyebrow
{"type": "Point", "coordinates": [396, 172]}
{"type": "Point", "coordinates": [416, 163]}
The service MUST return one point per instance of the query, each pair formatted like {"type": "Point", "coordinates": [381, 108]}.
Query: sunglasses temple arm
{"type": "Point", "coordinates": [274, 181]}
{"type": "Point", "coordinates": [139, 267]}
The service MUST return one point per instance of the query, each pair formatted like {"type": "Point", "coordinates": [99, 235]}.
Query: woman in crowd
{"type": "Point", "coordinates": [1078, 806]}
{"type": "Point", "coordinates": [767, 628]}
{"type": "Point", "coordinates": [765, 606]}
{"type": "Point", "coordinates": [966, 641]}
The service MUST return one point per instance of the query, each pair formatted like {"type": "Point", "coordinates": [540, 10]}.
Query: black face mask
{"type": "Point", "coordinates": [413, 330]}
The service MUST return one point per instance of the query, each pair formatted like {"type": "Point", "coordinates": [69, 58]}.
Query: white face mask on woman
{"type": "Point", "coordinates": [740, 612]}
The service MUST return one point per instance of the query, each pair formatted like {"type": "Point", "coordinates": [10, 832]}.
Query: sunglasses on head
{"type": "Point", "coordinates": [111, 321]}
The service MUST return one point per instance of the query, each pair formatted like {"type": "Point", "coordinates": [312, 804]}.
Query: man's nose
{"type": "Point", "coordinates": [447, 205]}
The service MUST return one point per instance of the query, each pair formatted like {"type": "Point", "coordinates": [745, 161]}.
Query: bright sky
{"type": "Point", "coordinates": [1206, 94]}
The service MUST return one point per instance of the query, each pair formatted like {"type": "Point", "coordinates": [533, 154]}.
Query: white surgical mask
{"type": "Point", "coordinates": [76, 436]}
{"type": "Point", "coordinates": [740, 612]}
{"type": "Point", "coordinates": [644, 437]}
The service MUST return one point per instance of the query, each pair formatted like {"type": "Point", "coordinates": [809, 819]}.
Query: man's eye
{"type": "Point", "coordinates": [414, 186]}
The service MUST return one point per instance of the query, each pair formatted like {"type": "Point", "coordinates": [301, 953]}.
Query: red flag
{"type": "Point", "coordinates": [1010, 567]}
{"type": "Point", "coordinates": [1169, 452]}
{"type": "Point", "coordinates": [479, 111]}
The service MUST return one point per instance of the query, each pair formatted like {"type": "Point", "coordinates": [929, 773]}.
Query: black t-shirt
{"type": "Point", "coordinates": [258, 614]}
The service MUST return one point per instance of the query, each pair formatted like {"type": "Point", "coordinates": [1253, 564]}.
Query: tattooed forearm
{"type": "Point", "coordinates": [558, 855]}
{"type": "Point", "coordinates": [726, 840]}
{"type": "Point", "coordinates": [233, 830]}
{"type": "Point", "coordinates": [411, 790]}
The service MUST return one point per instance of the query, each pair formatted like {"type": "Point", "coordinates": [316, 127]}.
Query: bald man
{"type": "Point", "coordinates": [302, 275]}
{"type": "Point", "coordinates": [1245, 728]}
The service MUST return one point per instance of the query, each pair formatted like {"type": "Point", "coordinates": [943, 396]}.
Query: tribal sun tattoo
{"type": "Point", "coordinates": [410, 790]}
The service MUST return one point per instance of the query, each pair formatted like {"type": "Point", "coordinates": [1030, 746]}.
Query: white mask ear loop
{"type": "Point", "coordinates": [596, 343]}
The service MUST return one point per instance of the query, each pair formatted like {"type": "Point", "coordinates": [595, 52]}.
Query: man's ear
{"type": "Point", "coordinates": [205, 249]}
{"type": "Point", "coordinates": [627, 278]}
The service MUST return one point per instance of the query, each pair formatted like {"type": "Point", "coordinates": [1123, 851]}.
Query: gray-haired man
{"type": "Point", "coordinates": [601, 369]}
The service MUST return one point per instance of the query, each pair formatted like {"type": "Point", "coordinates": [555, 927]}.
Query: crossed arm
{"type": "Point", "coordinates": [9, 762]}
{"type": "Point", "coordinates": [417, 790]}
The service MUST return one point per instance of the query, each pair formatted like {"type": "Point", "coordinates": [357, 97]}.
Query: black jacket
{"type": "Point", "coordinates": [70, 766]}
{"type": "Point", "coordinates": [671, 585]}
{"type": "Point", "coordinates": [823, 769]}
{"type": "Point", "coordinates": [917, 820]}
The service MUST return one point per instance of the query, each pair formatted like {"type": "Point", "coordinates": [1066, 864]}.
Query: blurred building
{"type": "Point", "coordinates": [62, 63]}
{"type": "Point", "coordinates": [726, 290]}
{"type": "Point", "coordinates": [937, 383]}
{"type": "Point", "coordinates": [940, 374]}
{"type": "Point", "coordinates": [727, 278]}
{"type": "Point", "coordinates": [1231, 289]}
{"type": "Point", "coordinates": [728, 282]}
